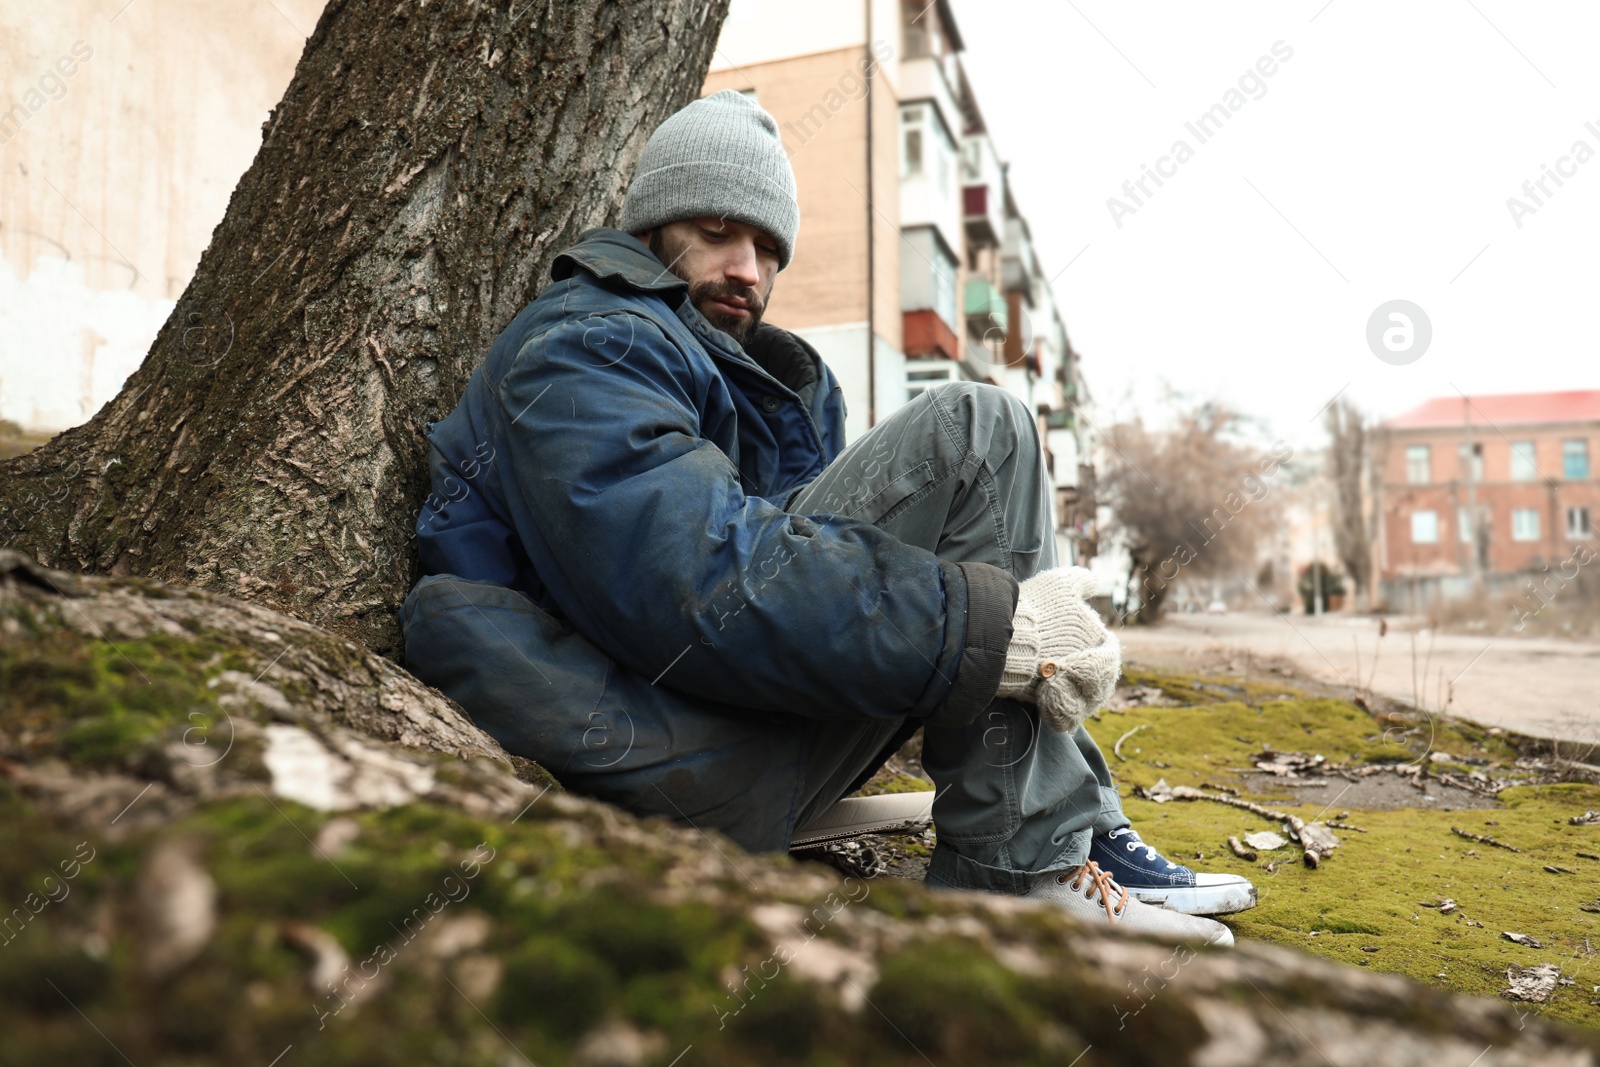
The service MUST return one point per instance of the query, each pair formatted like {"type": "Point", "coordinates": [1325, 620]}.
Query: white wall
{"type": "Point", "coordinates": [113, 177]}
{"type": "Point", "coordinates": [844, 349]}
{"type": "Point", "coordinates": [757, 31]}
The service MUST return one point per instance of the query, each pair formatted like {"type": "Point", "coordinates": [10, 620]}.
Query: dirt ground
{"type": "Point", "coordinates": [1546, 687]}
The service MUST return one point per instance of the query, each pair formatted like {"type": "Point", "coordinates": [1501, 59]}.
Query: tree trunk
{"type": "Point", "coordinates": [425, 166]}
{"type": "Point", "coordinates": [1347, 445]}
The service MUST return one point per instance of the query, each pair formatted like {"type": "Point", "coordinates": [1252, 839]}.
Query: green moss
{"type": "Point", "coordinates": [41, 974]}
{"type": "Point", "coordinates": [554, 980]}
{"type": "Point", "coordinates": [1371, 890]}
{"type": "Point", "coordinates": [895, 783]}
{"type": "Point", "coordinates": [958, 1000]}
{"type": "Point", "coordinates": [1189, 690]}
{"type": "Point", "coordinates": [102, 703]}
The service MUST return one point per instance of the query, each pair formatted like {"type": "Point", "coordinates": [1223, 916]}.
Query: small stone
{"type": "Point", "coordinates": [177, 901]}
{"type": "Point", "coordinates": [335, 836]}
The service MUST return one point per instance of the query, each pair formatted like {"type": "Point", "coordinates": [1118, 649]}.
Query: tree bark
{"type": "Point", "coordinates": [1347, 462]}
{"type": "Point", "coordinates": [426, 164]}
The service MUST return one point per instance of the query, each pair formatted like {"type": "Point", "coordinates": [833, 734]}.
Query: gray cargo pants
{"type": "Point", "coordinates": [957, 471]}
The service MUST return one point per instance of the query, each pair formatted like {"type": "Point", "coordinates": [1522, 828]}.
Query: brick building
{"type": "Point", "coordinates": [1492, 486]}
{"type": "Point", "coordinates": [914, 265]}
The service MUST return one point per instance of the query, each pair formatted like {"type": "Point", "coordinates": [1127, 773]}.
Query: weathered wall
{"type": "Point", "coordinates": [122, 134]}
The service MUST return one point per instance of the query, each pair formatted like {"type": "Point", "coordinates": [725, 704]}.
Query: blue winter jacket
{"type": "Point", "coordinates": [625, 464]}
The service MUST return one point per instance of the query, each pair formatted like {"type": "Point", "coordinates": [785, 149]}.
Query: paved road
{"type": "Point", "coordinates": [1542, 686]}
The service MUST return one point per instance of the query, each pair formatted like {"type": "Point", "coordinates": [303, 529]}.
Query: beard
{"type": "Point", "coordinates": [740, 328]}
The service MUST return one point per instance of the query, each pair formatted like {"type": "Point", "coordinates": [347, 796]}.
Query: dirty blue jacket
{"type": "Point", "coordinates": [624, 464]}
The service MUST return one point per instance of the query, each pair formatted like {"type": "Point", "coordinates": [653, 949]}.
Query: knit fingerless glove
{"type": "Point", "coordinates": [1061, 659]}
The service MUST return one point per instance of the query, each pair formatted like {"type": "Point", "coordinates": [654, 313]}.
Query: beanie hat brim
{"type": "Point", "coordinates": [720, 156]}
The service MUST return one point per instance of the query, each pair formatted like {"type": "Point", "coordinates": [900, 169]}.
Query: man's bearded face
{"type": "Point", "coordinates": [730, 267]}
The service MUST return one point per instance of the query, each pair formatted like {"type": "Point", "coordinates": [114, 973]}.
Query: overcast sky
{"type": "Point", "coordinates": [1373, 164]}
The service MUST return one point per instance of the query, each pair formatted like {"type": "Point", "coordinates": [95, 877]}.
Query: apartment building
{"type": "Point", "coordinates": [914, 264]}
{"type": "Point", "coordinates": [1486, 488]}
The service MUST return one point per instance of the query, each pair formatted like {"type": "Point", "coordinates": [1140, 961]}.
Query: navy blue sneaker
{"type": "Point", "coordinates": [1150, 877]}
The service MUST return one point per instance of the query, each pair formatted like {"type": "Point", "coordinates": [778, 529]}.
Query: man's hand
{"type": "Point", "coordinates": [1062, 659]}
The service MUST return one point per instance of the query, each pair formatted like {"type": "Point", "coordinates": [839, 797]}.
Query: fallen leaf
{"type": "Point", "coordinates": [1265, 840]}
{"type": "Point", "coordinates": [1533, 984]}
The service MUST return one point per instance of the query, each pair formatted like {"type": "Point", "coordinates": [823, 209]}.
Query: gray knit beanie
{"type": "Point", "coordinates": [721, 156]}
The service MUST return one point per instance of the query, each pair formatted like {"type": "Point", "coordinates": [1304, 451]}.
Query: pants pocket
{"type": "Point", "coordinates": [902, 491]}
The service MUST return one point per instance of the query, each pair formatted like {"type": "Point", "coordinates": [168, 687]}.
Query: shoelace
{"type": "Point", "coordinates": [1099, 882]}
{"type": "Point", "coordinates": [1150, 852]}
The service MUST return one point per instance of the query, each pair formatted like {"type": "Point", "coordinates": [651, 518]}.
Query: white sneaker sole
{"type": "Point", "coordinates": [888, 813]}
{"type": "Point", "coordinates": [1238, 895]}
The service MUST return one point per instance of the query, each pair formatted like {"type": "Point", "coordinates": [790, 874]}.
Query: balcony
{"type": "Point", "coordinates": [1017, 260]}
{"type": "Point", "coordinates": [979, 215]}
{"type": "Point", "coordinates": [984, 308]}
{"type": "Point", "coordinates": [928, 335]}
{"type": "Point", "coordinates": [982, 192]}
{"type": "Point", "coordinates": [924, 78]}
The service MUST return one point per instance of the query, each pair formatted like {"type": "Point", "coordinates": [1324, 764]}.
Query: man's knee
{"type": "Point", "coordinates": [982, 398]}
{"type": "Point", "coordinates": [993, 419]}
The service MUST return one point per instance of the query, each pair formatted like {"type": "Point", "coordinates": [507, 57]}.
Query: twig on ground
{"type": "Point", "coordinates": [1240, 851]}
{"type": "Point", "coordinates": [1483, 839]}
{"type": "Point", "coordinates": [1116, 749]}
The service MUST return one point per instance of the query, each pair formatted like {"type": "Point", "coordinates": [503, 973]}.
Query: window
{"type": "Point", "coordinates": [1579, 527]}
{"type": "Point", "coordinates": [924, 34]}
{"type": "Point", "coordinates": [1524, 524]}
{"type": "Point", "coordinates": [1417, 464]}
{"type": "Point", "coordinates": [912, 163]}
{"type": "Point", "coordinates": [971, 160]}
{"type": "Point", "coordinates": [1424, 527]}
{"type": "Point", "coordinates": [1476, 467]}
{"type": "Point", "coordinates": [944, 285]}
{"type": "Point", "coordinates": [1523, 466]}
{"type": "Point", "coordinates": [1575, 459]}
{"type": "Point", "coordinates": [928, 273]}
{"type": "Point", "coordinates": [926, 145]}
{"type": "Point", "coordinates": [924, 374]}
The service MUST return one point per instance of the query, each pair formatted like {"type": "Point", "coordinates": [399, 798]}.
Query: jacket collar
{"type": "Point", "coordinates": [612, 257]}
{"type": "Point", "coordinates": [784, 355]}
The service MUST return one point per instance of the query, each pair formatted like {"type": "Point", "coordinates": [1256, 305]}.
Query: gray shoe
{"type": "Point", "coordinates": [1092, 896]}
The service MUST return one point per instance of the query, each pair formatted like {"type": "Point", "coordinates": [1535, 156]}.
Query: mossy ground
{"type": "Point", "coordinates": [1363, 904]}
{"type": "Point", "coordinates": [586, 926]}
{"type": "Point", "coordinates": [101, 704]}
{"type": "Point", "coordinates": [582, 929]}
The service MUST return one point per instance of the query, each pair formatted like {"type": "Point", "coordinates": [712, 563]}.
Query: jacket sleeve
{"type": "Point", "coordinates": [643, 537]}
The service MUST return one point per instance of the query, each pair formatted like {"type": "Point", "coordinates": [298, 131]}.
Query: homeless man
{"type": "Point", "coordinates": [652, 565]}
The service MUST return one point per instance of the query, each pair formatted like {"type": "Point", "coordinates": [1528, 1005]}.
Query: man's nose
{"type": "Point", "coordinates": [741, 267]}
